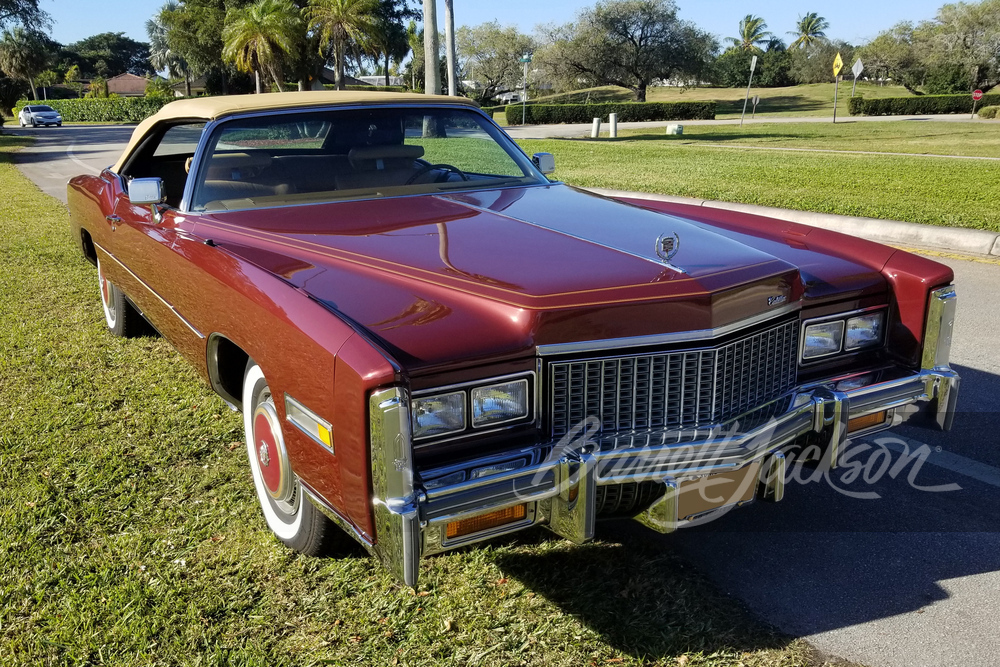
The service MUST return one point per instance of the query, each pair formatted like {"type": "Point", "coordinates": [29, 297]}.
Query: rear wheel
{"type": "Point", "coordinates": [121, 316]}
{"type": "Point", "coordinates": [288, 513]}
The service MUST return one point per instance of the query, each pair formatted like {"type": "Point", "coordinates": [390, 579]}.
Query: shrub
{"type": "Point", "coordinates": [989, 113]}
{"type": "Point", "coordinates": [103, 110]}
{"type": "Point", "coordinates": [919, 104]}
{"type": "Point", "coordinates": [369, 89]}
{"type": "Point", "coordinates": [543, 114]}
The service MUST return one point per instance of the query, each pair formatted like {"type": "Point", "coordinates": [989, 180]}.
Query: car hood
{"type": "Point", "coordinates": [464, 278]}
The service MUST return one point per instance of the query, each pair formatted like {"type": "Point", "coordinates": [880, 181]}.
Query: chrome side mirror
{"type": "Point", "coordinates": [546, 162]}
{"type": "Point", "coordinates": [147, 191]}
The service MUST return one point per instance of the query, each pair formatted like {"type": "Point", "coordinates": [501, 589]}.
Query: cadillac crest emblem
{"type": "Point", "coordinates": [667, 246]}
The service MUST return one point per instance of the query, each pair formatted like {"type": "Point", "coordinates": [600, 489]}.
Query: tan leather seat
{"type": "Point", "coordinates": [380, 166]}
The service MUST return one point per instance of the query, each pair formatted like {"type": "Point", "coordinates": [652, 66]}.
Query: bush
{"type": "Point", "coordinates": [369, 89]}
{"type": "Point", "coordinates": [103, 110]}
{"type": "Point", "coordinates": [544, 114]}
{"type": "Point", "coordinates": [489, 111]}
{"type": "Point", "coordinates": [920, 104]}
{"type": "Point", "coordinates": [732, 69]}
{"type": "Point", "coordinates": [989, 113]}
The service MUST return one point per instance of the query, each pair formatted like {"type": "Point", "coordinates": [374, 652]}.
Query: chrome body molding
{"type": "Point", "coordinates": [701, 335]}
{"type": "Point", "coordinates": [151, 291]}
{"type": "Point", "coordinates": [331, 513]}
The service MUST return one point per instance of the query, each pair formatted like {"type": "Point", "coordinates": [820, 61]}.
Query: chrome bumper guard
{"type": "Point", "coordinates": [558, 481]}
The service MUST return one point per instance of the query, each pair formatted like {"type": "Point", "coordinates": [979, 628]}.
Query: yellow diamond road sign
{"type": "Point", "coordinates": [838, 64]}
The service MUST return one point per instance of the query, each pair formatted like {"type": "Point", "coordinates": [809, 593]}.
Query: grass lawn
{"type": "Point", "coordinates": [938, 191]}
{"type": "Point", "coordinates": [131, 535]}
{"type": "Point", "coordinates": [815, 99]}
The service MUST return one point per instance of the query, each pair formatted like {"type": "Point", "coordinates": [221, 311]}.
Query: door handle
{"type": "Point", "coordinates": [113, 220]}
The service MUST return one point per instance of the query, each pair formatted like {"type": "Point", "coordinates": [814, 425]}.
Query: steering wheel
{"type": "Point", "coordinates": [430, 167]}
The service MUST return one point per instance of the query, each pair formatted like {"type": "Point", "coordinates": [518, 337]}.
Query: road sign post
{"type": "Point", "coordinates": [838, 64]}
{"type": "Point", "coordinates": [753, 66]}
{"type": "Point", "coordinates": [976, 96]}
{"type": "Point", "coordinates": [857, 69]}
{"type": "Point", "coordinates": [756, 99]}
{"type": "Point", "coordinates": [526, 58]}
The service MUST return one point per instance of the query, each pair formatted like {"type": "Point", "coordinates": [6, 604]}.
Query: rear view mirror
{"type": "Point", "coordinates": [546, 162]}
{"type": "Point", "coordinates": [146, 191]}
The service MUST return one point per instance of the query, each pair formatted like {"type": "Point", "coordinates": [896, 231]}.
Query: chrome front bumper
{"type": "Point", "coordinates": [560, 482]}
{"type": "Point", "coordinates": [557, 482]}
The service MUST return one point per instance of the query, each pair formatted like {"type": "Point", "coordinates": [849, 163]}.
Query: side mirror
{"type": "Point", "coordinates": [146, 191]}
{"type": "Point", "coordinates": [546, 162]}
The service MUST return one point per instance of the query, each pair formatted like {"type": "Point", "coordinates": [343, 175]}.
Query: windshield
{"type": "Point", "coordinates": [350, 153]}
{"type": "Point", "coordinates": [40, 108]}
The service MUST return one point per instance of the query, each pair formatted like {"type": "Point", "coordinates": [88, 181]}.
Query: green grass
{"type": "Point", "coordinates": [131, 535]}
{"type": "Point", "coordinates": [805, 100]}
{"type": "Point", "coordinates": [937, 191]}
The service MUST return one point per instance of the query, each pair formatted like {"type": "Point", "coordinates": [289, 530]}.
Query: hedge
{"type": "Point", "coordinates": [989, 113]}
{"type": "Point", "coordinates": [542, 114]}
{"type": "Point", "coordinates": [369, 89]}
{"type": "Point", "coordinates": [917, 105]}
{"type": "Point", "coordinates": [103, 110]}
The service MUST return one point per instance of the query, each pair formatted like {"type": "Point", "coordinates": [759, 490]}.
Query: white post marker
{"type": "Point", "coordinates": [857, 69]}
{"type": "Point", "coordinates": [526, 58]}
{"type": "Point", "coordinates": [976, 96]}
{"type": "Point", "coordinates": [753, 66]}
{"type": "Point", "coordinates": [613, 125]}
{"type": "Point", "coordinates": [595, 130]}
{"type": "Point", "coordinates": [838, 64]}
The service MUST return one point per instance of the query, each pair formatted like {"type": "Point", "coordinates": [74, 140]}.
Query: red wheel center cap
{"type": "Point", "coordinates": [268, 453]}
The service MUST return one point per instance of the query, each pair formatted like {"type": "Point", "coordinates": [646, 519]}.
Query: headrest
{"type": "Point", "coordinates": [398, 152]}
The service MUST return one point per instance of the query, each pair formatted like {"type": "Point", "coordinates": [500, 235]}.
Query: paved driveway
{"type": "Point", "coordinates": [909, 578]}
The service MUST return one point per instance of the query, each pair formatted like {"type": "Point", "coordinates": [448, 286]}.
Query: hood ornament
{"type": "Point", "coordinates": [667, 246]}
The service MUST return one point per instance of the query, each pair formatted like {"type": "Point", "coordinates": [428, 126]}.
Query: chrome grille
{"type": "Point", "coordinates": [675, 389]}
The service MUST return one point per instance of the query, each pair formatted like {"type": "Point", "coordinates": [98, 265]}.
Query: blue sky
{"type": "Point", "coordinates": [851, 20]}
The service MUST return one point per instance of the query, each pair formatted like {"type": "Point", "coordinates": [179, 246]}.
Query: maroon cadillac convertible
{"type": "Point", "coordinates": [432, 344]}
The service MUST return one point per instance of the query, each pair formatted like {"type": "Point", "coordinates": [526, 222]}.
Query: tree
{"type": "Point", "coordinates": [753, 33]}
{"type": "Point", "coordinates": [110, 54]}
{"type": "Point", "coordinates": [47, 79]}
{"type": "Point", "coordinates": [23, 55]}
{"type": "Point", "coordinates": [390, 40]}
{"type": "Point", "coordinates": [25, 12]}
{"type": "Point", "coordinates": [628, 43]}
{"type": "Point", "coordinates": [257, 38]}
{"type": "Point", "coordinates": [814, 63]}
{"type": "Point", "coordinates": [449, 46]}
{"type": "Point", "coordinates": [161, 56]}
{"type": "Point", "coordinates": [893, 55]}
{"type": "Point", "coordinates": [341, 24]}
{"type": "Point", "coordinates": [432, 81]}
{"type": "Point", "coordinates": [732, 68]}
{"type": "Point", "coordinates": [11, 90]}
{"type": "Point", "coordinates": [490, 54]}
{"type": "Point", "coordinates": [809, 30]}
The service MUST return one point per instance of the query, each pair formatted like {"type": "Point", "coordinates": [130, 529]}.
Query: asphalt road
{"type": "Point", "coordinates": [908, 578]}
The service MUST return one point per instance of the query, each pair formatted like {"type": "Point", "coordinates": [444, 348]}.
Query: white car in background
{"type": "Point", "coordinates": [39, 114]}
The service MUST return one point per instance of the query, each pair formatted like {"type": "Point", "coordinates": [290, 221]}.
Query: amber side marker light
{"type": "Point", "coordinates": [860, 423]}
{"type": "Point", "coordinates": [486, 521]}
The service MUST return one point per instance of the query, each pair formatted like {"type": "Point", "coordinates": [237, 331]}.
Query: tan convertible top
{"type": "Point", "coordinates": [210, 108]}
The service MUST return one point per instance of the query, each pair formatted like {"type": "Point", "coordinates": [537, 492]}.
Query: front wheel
{"type": "Point", "coordinates": [122, 318]}
{"type": "Point", "coordinates": [288, 513]}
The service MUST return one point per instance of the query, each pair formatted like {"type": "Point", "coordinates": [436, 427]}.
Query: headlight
{"type": "Point", "coordinates": [438, 415]}
{"type": "Point", "coordinates": [863, 331]}
{"type": "Point", "coordinates": [499, 403]}
{"type": "Point", "coordinates": [822, 339]}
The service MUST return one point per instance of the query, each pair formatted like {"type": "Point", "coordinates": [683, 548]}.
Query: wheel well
{"type": "Point", "coordinates": [87, 244]}
{"type": "Point", "coordinates": [227, 364]}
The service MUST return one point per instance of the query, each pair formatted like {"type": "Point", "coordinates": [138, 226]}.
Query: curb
{"type": "Point", "coordinates": [972, 241]}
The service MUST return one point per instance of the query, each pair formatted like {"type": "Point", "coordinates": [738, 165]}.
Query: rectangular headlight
{"type": "Point", "coordinates": [499, 403]}
{"type": "Point", "coordinates": [822, 339]}
{"type": "Point", "coordinates": [438, 415]}
{"type": "Point", "coordinates": [863, 331]}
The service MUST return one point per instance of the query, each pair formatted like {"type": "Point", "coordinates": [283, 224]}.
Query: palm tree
{"type": "Point", "coordinates": [23, 56]}
{"type": "Point", "coordinates": [449, 45]}
{"type": "Point", "coordinates": [432, 80]}
{"type": "Point", "coordinates": [161, 56]}
{"type": "Point", "coordinates": [809, 30]}
{"type": "Point", "coordinates": [257, 37]}
{"type": "Point", "coordinates": [341, 23]}
{"type": "Point", "coordinates": [753, 32]}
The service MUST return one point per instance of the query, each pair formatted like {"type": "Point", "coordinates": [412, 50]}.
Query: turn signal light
{"type": "Point", "coordinates": [483, 522]}
{"type": "Point", "coordinates": [860, 423]}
